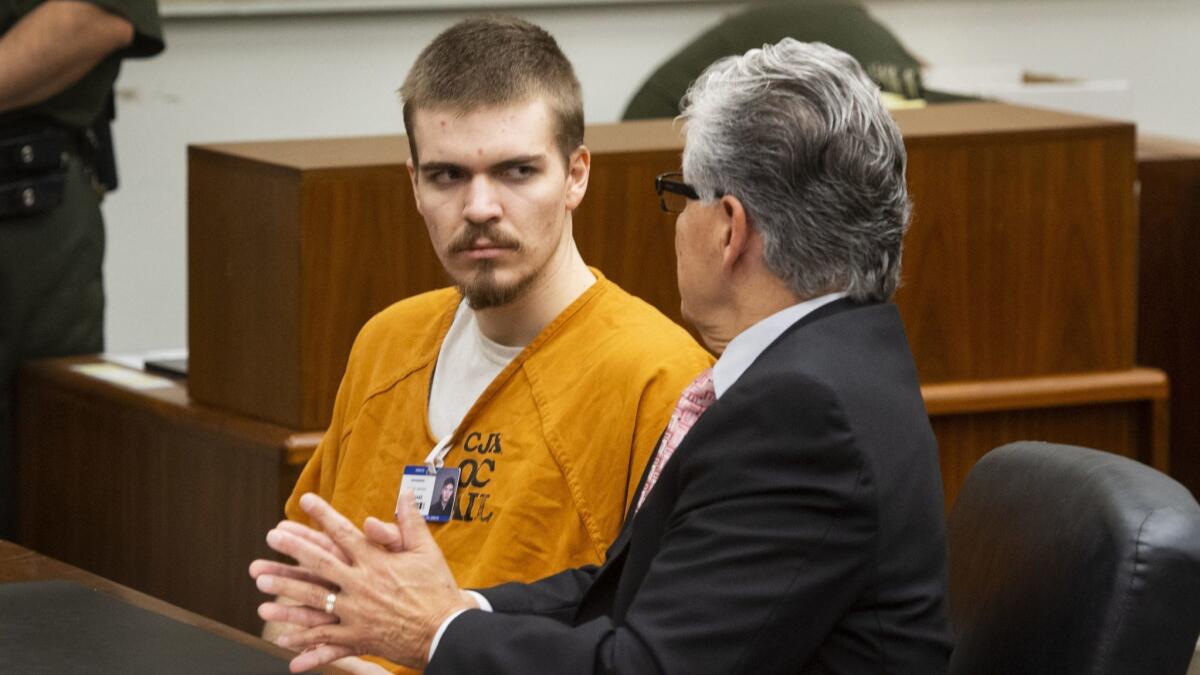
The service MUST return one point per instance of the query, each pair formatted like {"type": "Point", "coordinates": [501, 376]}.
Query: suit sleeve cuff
{"type": "Point", "coordinates": [437, 637]}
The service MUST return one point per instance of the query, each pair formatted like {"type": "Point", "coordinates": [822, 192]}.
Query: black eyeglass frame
{"type": "Point", "coordinates": [669, 182]}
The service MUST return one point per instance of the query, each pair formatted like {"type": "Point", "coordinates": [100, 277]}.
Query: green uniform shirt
{"type": "Point", "coordinates": [83, 102]}
{"type": "Point", "coordinates": [843, 25]}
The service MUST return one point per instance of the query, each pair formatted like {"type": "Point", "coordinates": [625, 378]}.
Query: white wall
{"type": "Point", "coordinates": [288, 77]}
{"type": "Point", "coordinates": [1154, 44]}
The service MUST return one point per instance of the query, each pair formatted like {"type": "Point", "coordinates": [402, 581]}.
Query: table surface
{"type": "Point", "coordinates": [20, 564]}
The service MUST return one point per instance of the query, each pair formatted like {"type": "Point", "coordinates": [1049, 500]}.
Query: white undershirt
{"type": "Point", "coordinates": [467, 363]}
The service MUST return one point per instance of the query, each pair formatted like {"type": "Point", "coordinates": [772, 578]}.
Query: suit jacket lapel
{"type": "Point", "coordinates": [599, 596]}
{"type": "Point", "coordinates": [622, 540]}
{"type": "Point", "coordinates": [642, 481]}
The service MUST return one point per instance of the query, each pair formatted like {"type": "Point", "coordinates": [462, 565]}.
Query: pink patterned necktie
{"type": "Point", "coordinates": [692, 404]}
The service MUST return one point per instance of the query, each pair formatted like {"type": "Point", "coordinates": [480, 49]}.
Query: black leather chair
{"type": "Point", "coordinates": [1068, 560]}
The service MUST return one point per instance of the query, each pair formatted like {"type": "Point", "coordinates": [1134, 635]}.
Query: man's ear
{"type": "Point", "coordinates": [735, 231]}
{"type": "Point", "coordinates": [412, 177]}
{"type": "Point", "coordinates": [579, 168]}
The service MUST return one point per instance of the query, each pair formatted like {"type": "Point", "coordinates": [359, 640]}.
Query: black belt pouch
{"type": "Point", "coordinates": [33, 170]}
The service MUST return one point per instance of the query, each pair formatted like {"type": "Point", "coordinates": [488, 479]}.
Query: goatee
{"type": "Point", "coordinates": [483, 292]}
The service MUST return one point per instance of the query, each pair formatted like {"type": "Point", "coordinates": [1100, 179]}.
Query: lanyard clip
{"type": "Point", "coordinates": [436, 457]}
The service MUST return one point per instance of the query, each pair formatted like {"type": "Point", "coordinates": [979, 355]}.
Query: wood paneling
{"type": "Point", "coordinates": [620, 228]}
{"type": "Point", "coordinates": [363, 238]}
{"type": "Point", "coordinates": [1114, 427]}
{"type": "Point", "coordinates": [960, 398]}
{"type": "Point", "coordinates": [148, 489]}
{"type": "Point", "coordinates": [243, 277]}
{"type": "Point", "coordinates": [1020, 259]}
{"type": "Point", "coordinates": [1168, 304]}
{"type": "Point", "coordinates": [1123, 412]}
{"type": "Point", "coordinates": [286, 264]}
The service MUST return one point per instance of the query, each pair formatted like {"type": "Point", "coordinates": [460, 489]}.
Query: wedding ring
{"type": "Point", "coordinates": [330, 601]}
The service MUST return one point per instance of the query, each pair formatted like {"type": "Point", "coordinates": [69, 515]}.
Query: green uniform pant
{"type": "Point", "coordinates": [51, 301]}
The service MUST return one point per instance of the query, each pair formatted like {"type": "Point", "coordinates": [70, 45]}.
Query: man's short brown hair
{"type": "Point", "coordinates": [492, 61]}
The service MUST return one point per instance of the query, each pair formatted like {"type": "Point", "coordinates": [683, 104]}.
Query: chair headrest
{"type": "Point", "coordinates": [1066, 559]}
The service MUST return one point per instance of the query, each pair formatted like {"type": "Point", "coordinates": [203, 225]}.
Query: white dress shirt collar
{"type": "Point", "coordinates": [750, 343]}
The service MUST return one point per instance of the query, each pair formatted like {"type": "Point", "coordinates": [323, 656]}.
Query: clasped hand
{"type": "Point", "coordinates": [393, 587]}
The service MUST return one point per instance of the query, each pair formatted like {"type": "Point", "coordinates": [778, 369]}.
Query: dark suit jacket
{"type": "Point", "coordinates": [798, 528]}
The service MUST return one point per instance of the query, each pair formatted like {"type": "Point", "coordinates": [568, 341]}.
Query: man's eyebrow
{"type": "Point", "coordinates": [518, 161]}
{"type": "Point", "coordinates": [431, 167]}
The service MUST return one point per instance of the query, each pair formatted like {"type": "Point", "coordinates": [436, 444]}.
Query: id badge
{"type": "Point", "coordinates": [435, 490]}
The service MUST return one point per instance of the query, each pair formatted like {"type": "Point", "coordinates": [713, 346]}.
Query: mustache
{"type": "Point", "coordinates": [466, 240]}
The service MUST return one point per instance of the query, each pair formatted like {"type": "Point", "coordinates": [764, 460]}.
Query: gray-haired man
{"type": "Point", "coordinates": [792, 518]}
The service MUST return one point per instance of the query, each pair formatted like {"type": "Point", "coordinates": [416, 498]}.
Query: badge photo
{"type": "Point", "coordinates": [445, 493]}
{"type": "Point", "coordinates": [434, 491]}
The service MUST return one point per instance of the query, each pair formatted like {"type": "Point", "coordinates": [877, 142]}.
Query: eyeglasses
{"type": "Point", "coordinates": [673, 193]}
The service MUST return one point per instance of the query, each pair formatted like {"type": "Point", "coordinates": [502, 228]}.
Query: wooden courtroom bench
{"type": "Point", "coordinates": [124, 476]}
{"type": "Point", "coordinates": [1021, 262]}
